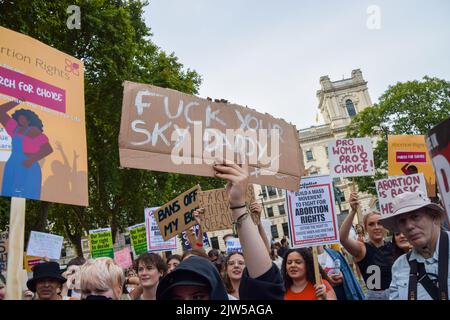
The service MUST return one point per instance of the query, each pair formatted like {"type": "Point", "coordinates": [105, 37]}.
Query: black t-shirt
{"type": "Point", "coordinates": [382, 257]}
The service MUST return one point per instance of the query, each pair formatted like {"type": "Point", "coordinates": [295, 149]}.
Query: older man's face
{"type": "Point", "coordinates": [417, 226]}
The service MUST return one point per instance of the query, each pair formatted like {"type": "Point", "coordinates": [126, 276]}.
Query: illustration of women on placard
{"type": "Point", "coordinates": [22, 176]}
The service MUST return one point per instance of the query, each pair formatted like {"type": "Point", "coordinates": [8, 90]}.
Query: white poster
{"type": "Point", "coordinates": [388, 189]}
{"type": "Point", "coordinates": [45, 245]}
{"type": "Point", "coordinates": [233, 245]}
{"type": "Point", "coordinates": [351, 157]}
{"type": "Point", "coordinates": [311, 213]}
{"type": "Point", "coordinates": [155, 241]}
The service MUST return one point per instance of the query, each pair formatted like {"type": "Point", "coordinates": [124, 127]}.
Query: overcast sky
{"type": "Point", "coordinates": [269, 55]}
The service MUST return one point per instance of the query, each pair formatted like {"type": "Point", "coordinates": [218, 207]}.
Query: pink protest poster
{"type": "Point", "coordinates": [351, 157]}
{"type": "Point", "coordinates": [123, 258]}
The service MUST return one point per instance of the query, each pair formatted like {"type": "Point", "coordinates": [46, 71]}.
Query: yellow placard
{"type": "Point", "coordinates": [408, 154]}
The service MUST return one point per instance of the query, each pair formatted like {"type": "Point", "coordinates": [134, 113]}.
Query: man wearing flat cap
{"type": "Point", "coordinates": [421, 274]}
{"type": "Point", "coordinates": [47, 281]}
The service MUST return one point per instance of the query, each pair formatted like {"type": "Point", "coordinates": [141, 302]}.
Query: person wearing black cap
{"type": "Point", "coordinates": [47, 281]}
{"type": "Point", "coordinates": [197, 278]}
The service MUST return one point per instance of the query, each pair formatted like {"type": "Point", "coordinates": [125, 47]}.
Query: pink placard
{"type": "Point", "coordinates": [409, 156]}
{"type": "Point", "coordinates": [26, 88]}
{"type": "Point", "coordinates": [123, 258]}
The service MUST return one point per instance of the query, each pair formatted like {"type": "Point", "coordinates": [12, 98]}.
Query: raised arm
{"type": "Point", "coordinates": [257, 260]}
{"type": "Point", "coordinates": [256, 208]}
{"type": "Point", "coordinates": [4, 108]}
{"type": "Point", "coordinates": [356, 248]}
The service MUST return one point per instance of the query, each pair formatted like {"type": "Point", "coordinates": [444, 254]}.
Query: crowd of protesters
{"type": "Point", "coordinates": [412, 265]}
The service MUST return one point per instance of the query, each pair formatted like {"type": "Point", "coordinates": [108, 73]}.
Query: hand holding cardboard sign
{"type": "Point", "coordinates": [237, 181]}
{"type": "Point", "coordinates": [354, 203]}
{"type": "Point", "coordinates": [256, 209]}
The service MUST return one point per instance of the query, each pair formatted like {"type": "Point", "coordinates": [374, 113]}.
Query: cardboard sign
{"type": "Point", "coordinates": [170, 131]}
{"type": "Point", "coordinates": [138, 238]}
{"type": "Point", "coordinates": [408, 154]}
{"type": "Point", "coordinates": [438, 143]}
{"type": "Point", "coordinates": [123, 258]}
{"type": "Point", "coordinates": [3, 250]}
{"type": "Point", "coordinates": [101, 243]}
{"type": "Point", "coordinates": [50, 85]}
{"type": "Point", "coordinates": [178, 214]}
{"type": "Point", "coordinates": [311, 213]}
{"type": "Point", "coordinates": [30, 261]}
{"type": "Point", "coordinates": [185, 240]}
{"type": "Point", "coordinates": [218, 214]}
{"type": "Point", "coordinates": [155, 241]}
{"type": "Point", "coordinates": [389, 188]}
{"type": "Point", "coordinates": [45, 245]}
{"type": "Point", "coordinates": [233, 245]}
{"type": "Point", "coordinates": [351, 157]}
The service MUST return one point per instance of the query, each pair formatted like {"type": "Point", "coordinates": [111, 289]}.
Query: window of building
{"type": "Point", "coordinates": [280, 192]}
{"type": "Point", "coordinates": [274, 230]}
{"type": "Point", "coordinates": [214, 242]}
{"type": "Point", "coordinates": [281, 209]}
{"type": "Point", "coordinates": [326, 150]}
{"type": "Point", "coordinates": [272, 191]}
{"type": "Point", "coordinates": [285, 229]}
{"type": "Point", "coordinates": [336, 180]}
{"type": "Point", "coordinates": [309, 155]}
{"type": "Point", "coordinates": [270, 212]}
{"type": "Point", "coordinates": [350, 108]}
{"type": "Point", "coordinates": [264, 192]}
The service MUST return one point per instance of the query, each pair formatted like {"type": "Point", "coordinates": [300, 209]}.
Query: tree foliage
{"type": "Point", "coordinates": [412, 107]}
{"type": "Point", "coordinates": [114, 44]}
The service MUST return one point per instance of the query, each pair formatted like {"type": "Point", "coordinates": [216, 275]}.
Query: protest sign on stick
{"type": "Point", "coordinates": [46, 87]}
{"type": "Point", "coordinates": [45, 245]}
{"type": "Point", "coordinates": [218, 215]}
{"type": "Point", "coordinates": [438, 143]}
{"type": "Point", "coordinates": [408, 154]}
{"type": "Point", "coordinates": [351, 157]}
{"type": "Point", "coordinates": [155, 241]}
{"type": "Point", "coordinates": [138, 238]}
{"type": "Point", "coordinates": [101, 243]}
{"type": "Point", "coordinates": [123, 258]}
{"type": "Point", "coordinates": [170, 131]}
{"type": "Point", "coordinates": [317, 275]}
{"type": "Point", "coordinates": [311, 213]}
{"type": "Point", "coordinates": [388, 189]}
{"type": "Point", "coordinates": [178, 214]}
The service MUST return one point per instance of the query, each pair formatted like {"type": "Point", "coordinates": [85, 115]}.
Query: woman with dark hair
{"type": "Point", "coordinates": [232, 274]}
{"type": "Point", "coordinates": [401, 244]}
{"type": "Point", "coordinates": [172, 262]}
{"type": "Point", "coordinates": [150, 268]}
{"type": "Point", "coordinates": [22, 176]}
{"type": "Point", "coordinates": [299, 279]}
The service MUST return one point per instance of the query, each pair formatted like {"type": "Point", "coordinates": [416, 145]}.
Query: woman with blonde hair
{"type": "Point", "coordinates": [101, 279]}
{"type": "Point", "coordinates": [374, 257]}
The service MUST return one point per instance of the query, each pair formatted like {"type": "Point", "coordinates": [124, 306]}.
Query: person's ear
{"type": "Point", "coordinates": [117, 291]}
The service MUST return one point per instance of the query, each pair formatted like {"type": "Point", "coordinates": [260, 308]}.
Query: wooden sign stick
{"type": "Point", "coordinates": [15, 249]}
{"type": "Point", "coordinates": [316, 266]}
{"type": "Point", "coordinates": [358, 208]}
